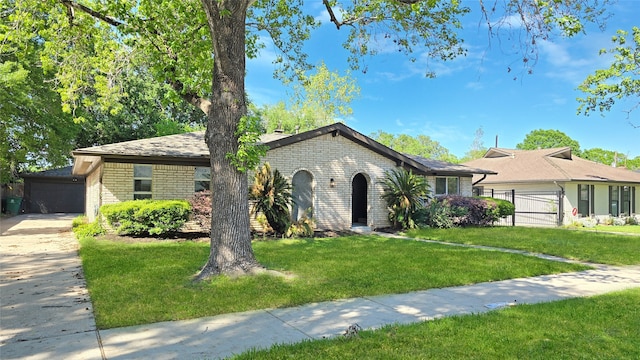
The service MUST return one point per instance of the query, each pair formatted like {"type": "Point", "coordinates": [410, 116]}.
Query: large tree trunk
{"type": "Point", "coordinates": [231, 251]}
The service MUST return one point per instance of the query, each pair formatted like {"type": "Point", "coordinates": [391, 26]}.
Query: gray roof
{"type": "Point", "coordinates": [547, 165]}
{"type": "Point", "coordinates": [191, 148]}
{"type": "Point", "coordinates": [51, 173]}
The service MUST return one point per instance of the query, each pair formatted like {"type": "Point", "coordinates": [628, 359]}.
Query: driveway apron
{"type": "Point", "coordinates": [45, 310]}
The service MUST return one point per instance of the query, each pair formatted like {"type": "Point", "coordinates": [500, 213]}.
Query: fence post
{"type": "Point", "coordinates": [513, 201]}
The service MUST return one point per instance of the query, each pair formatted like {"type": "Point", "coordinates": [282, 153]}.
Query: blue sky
{"type": "Point", "coordinates": [475, 91]}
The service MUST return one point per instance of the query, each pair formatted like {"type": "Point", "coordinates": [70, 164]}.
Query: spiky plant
{"type": "Point", "coordinates": [405, 193]}
{"type": "Point", "coordinates": [271, 193]}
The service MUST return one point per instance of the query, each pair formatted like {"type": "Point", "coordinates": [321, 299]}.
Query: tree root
{"type": "Point", "coordinates": [208, 273]}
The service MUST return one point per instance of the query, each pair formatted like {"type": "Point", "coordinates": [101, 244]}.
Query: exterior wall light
{"type": "Point", "coordinates": [332, 183]}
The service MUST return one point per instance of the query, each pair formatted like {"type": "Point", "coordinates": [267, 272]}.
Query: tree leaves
{"type": "Point", "coordinates": [621, 80]}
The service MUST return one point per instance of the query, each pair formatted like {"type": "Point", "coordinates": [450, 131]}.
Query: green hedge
{"type": "Point", "coordinates": [147, 217]}
{"type": "Point", "coordinates": [503, 208]}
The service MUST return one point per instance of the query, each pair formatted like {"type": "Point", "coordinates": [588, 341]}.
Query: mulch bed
{"type": "Point", "coordinates": [196, 236]}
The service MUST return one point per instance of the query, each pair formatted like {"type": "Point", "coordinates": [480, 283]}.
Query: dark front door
{"type": "Point", "coordinates": [359, 200]}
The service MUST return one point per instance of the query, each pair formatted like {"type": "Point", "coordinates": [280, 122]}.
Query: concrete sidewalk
{"type": "Point", "coordinates": [46, 314]}
{"type": "Point", "coordinates": [225, 335]}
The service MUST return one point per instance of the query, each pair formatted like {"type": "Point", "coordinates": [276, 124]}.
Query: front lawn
{"type": "Point", "coordinates": [601, 327]}
{"type": "Point", "coordinates": [137, 283]}
{"type": "Point", "coordinates": [626, 229]}
{"type": "Point", "coordinates": [590, 246]}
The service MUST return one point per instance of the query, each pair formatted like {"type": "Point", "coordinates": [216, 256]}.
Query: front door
{"type": "Point", "coordinates": [359, 200]}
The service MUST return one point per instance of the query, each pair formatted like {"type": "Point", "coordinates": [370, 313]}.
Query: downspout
{"type": "Point", "coordinates": [483, 177]}
{"type": "Point", "coordinates": [560, 204]}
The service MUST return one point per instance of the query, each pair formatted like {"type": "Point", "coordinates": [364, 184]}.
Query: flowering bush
{"type": "Point", "coordinates": [201, 209]}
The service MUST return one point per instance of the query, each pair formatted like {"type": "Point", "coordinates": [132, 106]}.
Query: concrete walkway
{"type": "Point", "coordinates": [30, 330]}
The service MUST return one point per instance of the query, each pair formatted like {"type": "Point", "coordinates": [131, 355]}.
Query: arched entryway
{"type": "Point", "coordinates": [302, 194]}
{"type": "Point", "coordinates": [359, 200]}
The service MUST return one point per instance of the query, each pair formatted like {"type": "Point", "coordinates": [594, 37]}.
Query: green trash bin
{"type": "Point", "coordinates": [13, 205]}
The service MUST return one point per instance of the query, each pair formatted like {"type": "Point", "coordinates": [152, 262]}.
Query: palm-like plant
{"type": "Point", "coordinates": [405, 193]}
{"type": "Point", "coordinates": [271, 193]}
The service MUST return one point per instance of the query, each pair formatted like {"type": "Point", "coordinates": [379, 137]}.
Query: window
{"type": "Point", "coordinates": [585, 200]}
{"type": "Point", "coordinates": [202, 178]}
{"type": "Point", "coordinates": [142, 175]}
{"type": "Point", "coordinates": [614, 200]}
{"type": "Point", "coordinates": [447, 185]}
{"type": "Point", "coordinates": [627, 200]}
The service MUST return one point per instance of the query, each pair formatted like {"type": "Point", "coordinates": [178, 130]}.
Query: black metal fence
{"type": "Point", "coordinates": [533, 208]}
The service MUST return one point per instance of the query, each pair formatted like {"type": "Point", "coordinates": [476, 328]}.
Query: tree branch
{"type": "Point", "coordinates": [74, 5]}
{"type": "Point", "coordinates": [332, 16]}
{"type": "Point", "coordinates": [191, 97]}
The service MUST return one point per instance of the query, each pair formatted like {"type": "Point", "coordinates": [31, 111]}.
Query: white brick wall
{"type": "Point", "coordinates": [327, 157]}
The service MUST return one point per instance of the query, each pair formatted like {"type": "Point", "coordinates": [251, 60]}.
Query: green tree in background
{"type": "Point", "coordinates": [34, 130]}
{"type": "Point", "coordinates": [548, 139]}
{"type": "Point", "coordinates": [319, 98]}
{"type": "Point", "coordinates": [143, 111]}
{"type": "Point", "coordinates": [610, 157]}
{"type": "Point", "coordinates": [620, 81]}
{"type": "Point", "coordinates": [420, 145]}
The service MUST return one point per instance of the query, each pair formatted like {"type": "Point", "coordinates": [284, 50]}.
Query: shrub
{"type": "Point", "coordinates": [503, 208]}
{"type": "Point", "coordinates": [304, 227]}
{"type": "Point", "coordinates": [405, 194]}
{"type": "Point", "coordinates": [271, 193]}
{"type": "Point", "coordinates": [588, 222]}
{"type": "Point", "coordinates": [201, 209]}
{"type": "Point", "coordinates": [147, 217]}
{"type": "Point", "coordinates": [472, 210]}
{"type": "Point", "coordinates": [83, 229]}
{"type": "Point", "coordinates": [437, 214]}
{"type": "Point", "coordinates": [632, 220]}
{"type": "Point", "coordinates": [619, 221]}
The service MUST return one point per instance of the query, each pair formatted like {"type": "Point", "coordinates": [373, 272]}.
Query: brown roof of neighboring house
{"type": "Point", "coordinates": [547, 165]}
{"type": "Point", "coordinates": [191, 148]}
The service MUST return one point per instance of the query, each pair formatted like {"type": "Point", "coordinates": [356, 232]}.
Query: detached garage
{"type": "Point", "coordinates": [53, 191]}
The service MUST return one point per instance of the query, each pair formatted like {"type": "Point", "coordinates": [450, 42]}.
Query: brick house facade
{"type": "Point", "coordinates": [334, 170]}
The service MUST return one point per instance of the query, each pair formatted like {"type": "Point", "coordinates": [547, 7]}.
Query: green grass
{"type": "Point", "coordinates": [591, 246]}
{"type": "Point", "coordinates": [149, 282]}
{"type": "Point", "coordinates": [602, 327]}
{"type": "Point", "coordinates": [627, 229]}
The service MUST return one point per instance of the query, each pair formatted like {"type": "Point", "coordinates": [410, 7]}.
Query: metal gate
{"type": "Point", "coordinates": [533, 208]}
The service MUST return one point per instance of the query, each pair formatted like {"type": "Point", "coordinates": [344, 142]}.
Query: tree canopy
{"type": "Point", "coordinates": [547, 139]}
{"type": "Point", "coordinates": [320, 97]}
{"type": "Point", "coordinates": [420, 145]}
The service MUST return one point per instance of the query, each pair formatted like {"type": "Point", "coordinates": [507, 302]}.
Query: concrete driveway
{"type": "Point", "coordinates": [45, 310]}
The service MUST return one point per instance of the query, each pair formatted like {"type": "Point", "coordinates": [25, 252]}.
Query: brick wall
{"type": "Point", "coordinates": [117, 183]}
{"type": "Point", "coordinates": [325, 158]}
{"type": "Point", "coordinates": [168, 182]}
{"type": "Point", "coordinates": [173, 182]}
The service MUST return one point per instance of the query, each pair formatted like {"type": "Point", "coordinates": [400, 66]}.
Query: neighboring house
{"type": "Point", "coordinates": [334, 170]}
{"type": "Point", "coordinates": [586, 188]}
